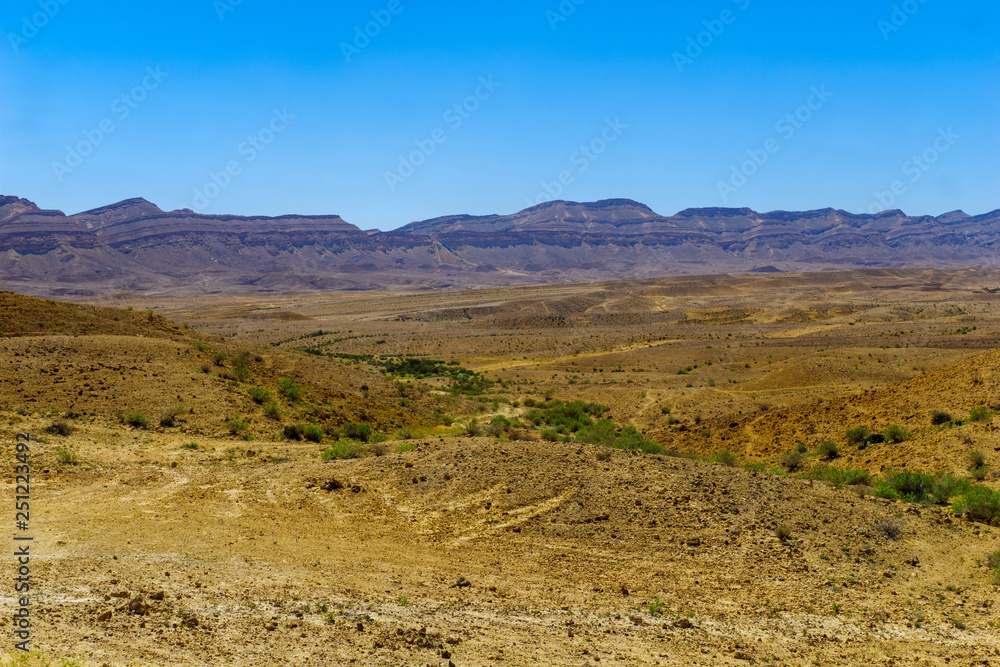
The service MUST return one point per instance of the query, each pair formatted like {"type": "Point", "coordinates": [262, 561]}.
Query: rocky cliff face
{"type": "Point", "coordinates": [135, 246]}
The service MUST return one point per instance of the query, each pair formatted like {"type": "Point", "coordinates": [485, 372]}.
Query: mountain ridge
{"type": "Point", "coordinates": [133, 245]}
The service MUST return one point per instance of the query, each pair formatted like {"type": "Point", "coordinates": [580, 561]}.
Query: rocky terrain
{"type": "Point", "coordinates": [133, 246]}
{"type": "Point", "coordinates": [185, 514]}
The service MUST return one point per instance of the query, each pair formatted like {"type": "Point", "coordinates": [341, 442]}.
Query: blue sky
{"type": "Point", "coordinates": [257, 107]}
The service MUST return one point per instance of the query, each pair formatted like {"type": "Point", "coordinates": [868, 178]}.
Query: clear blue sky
{"type": "Point", "coordinates": [927, 85]}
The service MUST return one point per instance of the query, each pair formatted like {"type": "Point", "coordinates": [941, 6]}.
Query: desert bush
{"type": "Point", "coordinates": [200, 346]}
{"type": "Point", "coordinates": [911, 487]}
{"type": "Point", "coordinates": [939, 418]}
{"type": "Point", "coordinates": [378, 448]}
{"type": "Point", "coordinates": [405, 447]}
{"type": "Point", "coordinates": [272, 411]}
{"type": "Point", "coordinates": [945, 486]}
{"type": "Point", "coordinates": [792, 460]}
{"type": "Point", "coordinates": [220, 358]}
{"type": "Point", "coordinates": [61, 427]}
{"type": "Point", "coordinates": [190, 445]}
{"type": "Point", "coordinates": [979, 503]}
{"type": "Point", "coordinates": [828, 450]}
{"type": "Point", "coordinates": [975, 459]}
{"type": "Point", "coordinates": [342, 450]}
{"type": "Point", "coordinates": [136, 420]}
{"type": "Point", "coordinates": [892, 529]}
{"type": "Point", "coordinates": [312, 433]}
{"type": "Point", "coordinates": [980, 413]}
{"type": "Point", "coordinates": [169, 416]}
{"type": "Point", "coordinates": [293, 431]}
{"type": "Point", "coordinates": [235, 424]}
{"type": "Point", "coordinates": [406, 434]}
{"type": "Point", "coordinates": [361, 432]}
{"type": "Point", "coordinates": [241, 370]}
{"type": "Point", "coordinates": [783, 532]}
{"type": "Point", "coordinates": [726, 458]}
{"type": "Point", "coordinates": [289, 389]}
{"type": "Point", "coordinates": [979, 473]}
{"type": "Point", "coordinates": [896, 433]}
{"type": "Point", "coordinates": [857, 435]}
{"type": "Point", "coordinates": [259, 395]}
{"type": "Point", "coordinates": [68, 455]}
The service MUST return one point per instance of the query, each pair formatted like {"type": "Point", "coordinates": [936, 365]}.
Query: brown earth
{"type": "Point", "coordinates": [482, 551]}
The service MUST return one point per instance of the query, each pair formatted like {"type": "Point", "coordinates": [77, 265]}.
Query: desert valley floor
{"type": "Point", "coordinates": [684, 471]}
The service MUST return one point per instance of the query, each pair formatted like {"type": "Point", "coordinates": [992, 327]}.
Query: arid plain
{"type": "Point", "coordinates": [650, 472]}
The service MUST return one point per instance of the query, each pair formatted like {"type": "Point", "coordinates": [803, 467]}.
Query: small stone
{"type": "Point", "coordinates": [361, 626]}
{"type": "Point", "coordinates": [462, 583]}
{"type": "Point", "coordinates": [106, 616]}
{"type": "Point", "coordinates": [683, 624]}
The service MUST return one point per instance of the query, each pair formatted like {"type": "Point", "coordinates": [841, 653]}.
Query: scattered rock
{"type": "Point", "coordinates": [331, 485]}
{"type": "Point", "coordinates": [462, 583]}
{"type": "Point", "coordinates": [624, 590]}
{"type": "Point", "coordinates": [683, 624]}
{"type": "Point", "coordinates": [106, 616]}
{"type": "Point", "coordinates": [138, 606]}
{"type": "Point", "coordinates": [158, 596]}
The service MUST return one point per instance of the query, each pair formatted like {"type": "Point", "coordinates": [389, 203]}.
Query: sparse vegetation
{"type": "Point", "coordinates": [289, 389]}
{"type": "Point", "coordinates": [980, 413]}
{"type": "Point", "coordinates": [68, 455]}
{"type": "Point", "coordinates": [857, 435]}
{"type": "Point", "coordinates": [939, 418]}
{"type": "Point", "coordinates": [260, 395]}
{"type": "Point", "coordinates": [792, 460]}
{"type": "Point", "coordinates": [890, 528]}
{"type": "Point", "coordinates": [190, 445]}
{"type": "Point", "coordinates": [895, 433]}
{"type": "Point", "coordinates": [783, 532]}
{"type": "Point", "coordinates": [168, 418]}
{"type": "Point", "coordinates": [236, 425]}
{"type": "Point", "coordinates": [61, 427]}
{"type": "Point", "coordinates": [726, 458]}
{"type": "Point", "coordinates": [312, 433]}
{"type": "Point", "coordinates": [342, 450]}
{"type": "Point", "coordinates": [136, 420]}
{"type": "Point", "coordinates": [828, 450]}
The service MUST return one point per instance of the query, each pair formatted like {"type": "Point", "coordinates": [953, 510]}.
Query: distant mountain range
{"type": "Point", "coordinates": [133, 246]}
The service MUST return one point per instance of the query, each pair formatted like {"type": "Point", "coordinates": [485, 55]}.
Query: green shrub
{"type": "Point", "coordinates": [939, 418]}
{"type": "Point", "coordinates": [200, 346]}
{"type": "Point", "coordinates": [976, 459]}
{"type": "Point", "coordinates": [136, 420]}
{"type": "Point", "coordinates": [896, 433]}
{"type": "Point", "coordinates": [911, 487]}
{"type": "Point", "coordinates": [726, 458]}
{"type": "Point", "coordinates": [220, 358]}
{"type": "Point", "coordinates": [828, 450]}
{"type": "Point", "coordinates": [342, 450]}
{"type": "Point", "coordinates": [792, 460]}
{"type": "Point", "coordinates": [241, 370]}
{"type": "Point", "coordinates": [272, 411]}
{"type": "Point", "coordinates": [235, 424]}
{"type": "Point", "coordinates": [294, 431]}
{"type": "Point", "coordinates": [980, 413]}
{"type": "Point", "coordinates": [170, 415]}
{"type": "Point", "coordinates": [260, 395]}
{"type": "Point", "coordinates": [362, 432]}
{"type": "Point", "coordinates": [68, 455]}
{"type": "Point", "coordinates": [313, 433]}
{"type": "Point", "coordinates": [979, 503]}
{"type": "Point", "coordinates": [190, 445]}
{"type": "Point", "coordinates": [289, 389]}
{"type": "Point", "coordinates": [405, 447]}
{"type": "Point", "coordinates": [945, 486]}
{"type": "Point", "coordinates": [856, 436]}
{"type": "Point", "coordinates": [979, 473]}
